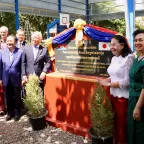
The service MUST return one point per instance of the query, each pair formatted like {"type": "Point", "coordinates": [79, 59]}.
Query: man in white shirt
{"type": "Point", "coordinates": [3, 34]}
{"type": "Point", "coordinates": [3, 45]}
{"type": "Point", "coordinates": [20, 38]}
{"type": "Point", "coordinates": [35, 59]}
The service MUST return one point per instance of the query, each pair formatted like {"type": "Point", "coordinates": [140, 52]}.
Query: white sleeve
{"type": "Point", "coordinates": [124, 83]}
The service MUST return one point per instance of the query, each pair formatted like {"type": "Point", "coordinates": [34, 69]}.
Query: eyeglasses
{"type": "Point", "coordinates": [114, 44]}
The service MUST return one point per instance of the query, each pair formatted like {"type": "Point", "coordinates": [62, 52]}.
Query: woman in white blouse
{"type": "Point", "coordinates": [119, 83]}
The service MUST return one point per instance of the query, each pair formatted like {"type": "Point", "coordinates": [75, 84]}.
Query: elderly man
{"type": "Point", "coordinates": [10, 77]}
{"type": "Point", "coordinates": [35, 59]}
{"type": "Point", "coordinates": [2, 103]}
{"type": "Point", "coordinates": [3, 34]}
{"type": "Point", "coordinates": [20, 38]}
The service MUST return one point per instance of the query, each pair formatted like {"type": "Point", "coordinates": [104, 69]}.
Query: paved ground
{"type": "Point", "coordinates": [12, 132]}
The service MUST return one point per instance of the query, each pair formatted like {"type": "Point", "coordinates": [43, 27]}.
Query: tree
{"type": "Point", "coordinates": [115, 24]}
{"type": "Point", "coordinates": [107, 7]}
{"type": "Point", "coordinates": [139, 24]}
{"type": "Point", "coordinates": [8, 20]}
{"type": "Point", "coordinates": [103, 7]}
{"type": "Point", "coordinates": [37, 23]}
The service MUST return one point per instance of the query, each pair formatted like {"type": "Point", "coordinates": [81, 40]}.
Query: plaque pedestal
{"type": "Point", "coordinates": [66, 97]}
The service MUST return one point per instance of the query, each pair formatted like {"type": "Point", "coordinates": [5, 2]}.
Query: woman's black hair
{"type": "Point", "coordinates": [138, 31]}
{"type": "Point", "coordinates": [122, 40]}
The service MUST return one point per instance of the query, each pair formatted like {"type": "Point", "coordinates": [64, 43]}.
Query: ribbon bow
{"type": "Point", "coordinates": [48, 44]}
{"type": "Point", "coordinates": [79, 25]}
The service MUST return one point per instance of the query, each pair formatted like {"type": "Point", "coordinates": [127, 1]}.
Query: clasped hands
{"type": "Point", "coordinates": [25, 78]}
{"type": "Point", "coordinates": [107, 82]}
{"type": "Point", "coordinates": [103, 82]}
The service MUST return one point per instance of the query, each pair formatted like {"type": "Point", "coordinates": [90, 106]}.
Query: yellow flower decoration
{"type": "Point", "coordinates": [79, 25]}
{"type": "Point", "coordinates": [48, 44]}
{"type": "Point", "coordinates": [119, 34]}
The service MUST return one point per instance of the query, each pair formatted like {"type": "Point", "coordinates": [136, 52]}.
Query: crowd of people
{"type": "Point", "coordinates": [19, 59]}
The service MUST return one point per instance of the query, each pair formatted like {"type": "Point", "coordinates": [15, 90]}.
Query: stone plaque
{"type": "Point", "coordinates": [86, 60]}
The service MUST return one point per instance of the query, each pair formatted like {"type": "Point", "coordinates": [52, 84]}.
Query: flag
{"type": "Point", "coordinates": [104, 46]}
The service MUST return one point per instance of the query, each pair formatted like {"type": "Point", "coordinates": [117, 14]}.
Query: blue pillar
{"type": "Point", "coordinates": [87, 11]}
{"type": "Point", "coordinates": [17, 14]}
{"type": "Point", "coordinates": [48, 34]}
{"type": "Point", "coordinates": [59, 10]}
{"type": "Point", "coordinates": [130, 21]}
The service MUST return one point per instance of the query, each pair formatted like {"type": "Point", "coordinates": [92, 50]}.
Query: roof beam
{"type": "Point", "coordinates": [98, 17]}
{"type": "Point", "coordinates": [99, 1]}
{"type": "Point", "coordinates": [80, 1]}
{"type": "Point", "coordinates": [4, 7]}
{"type": "Point", "coordinates": [110, 16]}
{"type": "Point", "coordinates": [70, 7]}
{"type": "Point", "coordinates": [73, 4]}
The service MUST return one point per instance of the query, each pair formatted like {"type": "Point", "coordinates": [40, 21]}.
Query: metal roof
{"type": "Point", "coordinates": [45, 7]}
{"type": "Point", "coordinates": [115, 10]}
{"type": "Point", "coordinates": [76, 8]}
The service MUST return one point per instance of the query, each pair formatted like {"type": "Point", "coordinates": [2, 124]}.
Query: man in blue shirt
{"type": "Point", "coordinates": [10, 77]}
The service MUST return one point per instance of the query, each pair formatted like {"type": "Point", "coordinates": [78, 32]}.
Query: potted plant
{"type": "Point", "coordinates": [34, 103]}
{"type": "Point", "coordinates": [102, 117]}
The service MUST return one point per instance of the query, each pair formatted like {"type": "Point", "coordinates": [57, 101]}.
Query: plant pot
{"type": "Point", "coordinates": [100, 140]}
{"type": "Point", "coordinates": [38, 123]}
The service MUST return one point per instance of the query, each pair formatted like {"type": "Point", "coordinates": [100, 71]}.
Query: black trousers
{"type": "Point", "coordinates": [42, 87]}
{"type": "Point", "coordinates": [13, 99]}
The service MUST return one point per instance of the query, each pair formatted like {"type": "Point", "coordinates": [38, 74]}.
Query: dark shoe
{"type": "Point", "coordinates": [17, 117]}
{"type": "Point", "coordinates": [9, 117]}
{"type": "Point", "coordinates": [2, 113]}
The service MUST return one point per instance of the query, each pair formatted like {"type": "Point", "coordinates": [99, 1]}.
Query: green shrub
{"type": "Point", "coordinates": [101, 112]}
{"type": "Point", "coordinates": [34, 99]}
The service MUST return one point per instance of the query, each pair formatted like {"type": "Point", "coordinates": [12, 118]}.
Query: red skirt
{"type": "Point", "coordinates": [120, 106]}
{"type": "Point", "coordinates": [2, 104]}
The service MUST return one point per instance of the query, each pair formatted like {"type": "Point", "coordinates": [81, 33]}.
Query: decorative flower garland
{"type": "Point", "coordinates": [79, 26]}
{"type": "Point", "coordinates": [48, 44]}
